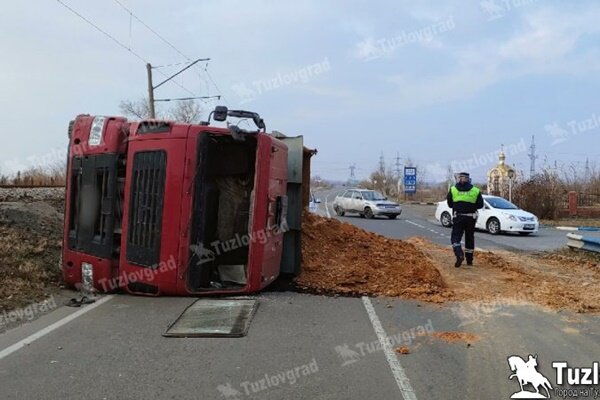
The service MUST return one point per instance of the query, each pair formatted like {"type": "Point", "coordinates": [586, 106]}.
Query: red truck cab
{"type": "Point", "coordinates": [168, 208]}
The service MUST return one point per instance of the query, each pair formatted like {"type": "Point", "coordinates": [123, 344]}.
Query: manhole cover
{"type": "Point", "coordinates": [214, 318]}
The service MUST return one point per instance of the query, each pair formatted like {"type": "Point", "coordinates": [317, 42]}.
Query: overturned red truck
{"type": "Point", "coordinates": [165, 208]}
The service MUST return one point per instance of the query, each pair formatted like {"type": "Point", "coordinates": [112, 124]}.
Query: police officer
{"type": "Point", "coordinates": [464, 199]}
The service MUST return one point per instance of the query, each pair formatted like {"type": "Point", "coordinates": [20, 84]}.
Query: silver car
{"type": "Point", "coordinates": [366, 203]}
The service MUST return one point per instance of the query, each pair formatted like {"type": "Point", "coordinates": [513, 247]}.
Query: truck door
{"type": "Point", "coordinates": [269, 211]}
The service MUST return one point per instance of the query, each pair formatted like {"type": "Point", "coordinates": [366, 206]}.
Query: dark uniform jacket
{"type": "Point", "coordinates": [463, 207]}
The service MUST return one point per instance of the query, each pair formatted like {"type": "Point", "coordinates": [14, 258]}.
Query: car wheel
{"type": "Point", "coordinates": [446, 219]}
{"type": "Point", "coordinates": [393, 216]}
{"type": "Point", "coordinates": [524, 233]}
{"type": "Point", "coordinates": [361, 215]}
{"type": "Point", "coordinates": [493, 226]}
{"type": "Point", "coordinates": [368, 213]}
{"type": "Point", "coordinates": [340, 211]}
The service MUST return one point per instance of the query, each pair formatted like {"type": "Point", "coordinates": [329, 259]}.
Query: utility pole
{"type": "Point", "coordinates": [398, 175]}
{"type": "Point", "coordinates": [587, 170]}
{"type": "Point", "coordinates": [382, 164]}
{"type": "Point", "coordinates": [150, 91]}
{"type": "Point", "coordinates": [532, 157]}
{"type": "Point", "coordinates": [151, 86]}
{"type": "Point", "coordinates": [352, 179]}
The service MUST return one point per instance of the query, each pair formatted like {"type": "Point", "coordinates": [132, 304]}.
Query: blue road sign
{"type": "Point", "coordinates": [410, 179]}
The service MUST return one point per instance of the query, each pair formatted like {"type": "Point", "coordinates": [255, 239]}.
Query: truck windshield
{"type": "Point", "coordinates": [372, 195]}
{"type": "Point", "coordinates": [498, 202]}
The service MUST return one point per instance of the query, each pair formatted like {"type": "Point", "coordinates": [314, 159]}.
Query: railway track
{"type": "Point", "coordinates": [30, 187]}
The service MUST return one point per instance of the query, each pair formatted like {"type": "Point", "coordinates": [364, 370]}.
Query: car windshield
{"type": "Point", "coordinates": [372, 195]}
{"type": "Point", "coordinates": [498, 202]}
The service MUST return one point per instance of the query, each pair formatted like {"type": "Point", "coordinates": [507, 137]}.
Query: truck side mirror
{"type": "Point", "coordinates": [220, 113]}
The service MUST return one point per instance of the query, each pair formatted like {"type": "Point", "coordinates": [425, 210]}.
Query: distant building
{"type": "Point", "coordinates": [501, 178]}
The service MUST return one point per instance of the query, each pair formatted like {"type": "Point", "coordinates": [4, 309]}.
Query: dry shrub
{"type": "Point", "coordinates": [542, 195]}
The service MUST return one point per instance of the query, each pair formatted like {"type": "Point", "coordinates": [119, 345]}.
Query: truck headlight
{"type": "Point", "coordinates": [87, 276]}
{"type": "Point", "coordinates": [96, 131]}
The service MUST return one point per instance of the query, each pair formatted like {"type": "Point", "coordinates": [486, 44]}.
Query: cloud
{"type": "Point", "coordinates": [546, 41]}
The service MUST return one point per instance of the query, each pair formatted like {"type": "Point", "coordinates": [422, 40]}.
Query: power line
{"type": "Point", "coordinates": [119, 43]}
{"type": "Point", "coordinates": [171, 45]}
{"type": "Point", "coordinates": [103, 32]}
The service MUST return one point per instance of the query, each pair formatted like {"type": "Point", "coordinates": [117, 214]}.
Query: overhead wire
{"type": "Point", "coordinates": [172, 46]}
{"type": "Point", "coordinates": [118, 42]}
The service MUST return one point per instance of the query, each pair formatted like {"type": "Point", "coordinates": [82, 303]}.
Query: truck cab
{"type": "Point", "coordinates": [165, 208]}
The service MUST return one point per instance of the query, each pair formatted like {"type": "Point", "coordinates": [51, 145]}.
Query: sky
{"type": "Point", "coordinates": [438, 84]}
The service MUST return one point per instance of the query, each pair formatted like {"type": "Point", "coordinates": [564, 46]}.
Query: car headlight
{"type": "Point", "coordinates": [87, 276]}
{"type": "Point", "coordinates": [96, 131]}
{"type": "Point", "coordinates": [510, 216]}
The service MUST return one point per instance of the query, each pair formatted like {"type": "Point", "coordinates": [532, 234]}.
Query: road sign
{"type": "Point", "coordinates": [410, 179]}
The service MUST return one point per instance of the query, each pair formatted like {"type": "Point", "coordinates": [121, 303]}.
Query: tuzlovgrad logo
{"type": "Point", "coordinates": [582, 381]}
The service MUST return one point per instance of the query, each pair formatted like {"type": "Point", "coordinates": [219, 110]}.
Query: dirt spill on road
{"type": "Point", "coordinates": [339, 258]}
{"type": "Point", "coordinates": [455, 337]}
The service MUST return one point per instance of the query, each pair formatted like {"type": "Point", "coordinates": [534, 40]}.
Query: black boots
{"type": "Point", "coordinates": [459, 261]}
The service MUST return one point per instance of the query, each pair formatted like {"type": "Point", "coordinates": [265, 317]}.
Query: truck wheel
{"type": "Point", "coordinates": [368, 213]}
{"type": "Point", "coordinates": [493, 226]}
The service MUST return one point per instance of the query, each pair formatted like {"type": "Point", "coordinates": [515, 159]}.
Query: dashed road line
{"type": "Point", "coordinates": [402, 380]}
{"type": "Point", "coordinates": [327, 205]}
{"type": "Point", "coordinates": [415, 224]}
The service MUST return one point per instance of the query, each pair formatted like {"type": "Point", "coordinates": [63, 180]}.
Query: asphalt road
{"type": "Point", "coordinates": [419, 220]}
{"type": "Point", "coordinates": [333, 348]}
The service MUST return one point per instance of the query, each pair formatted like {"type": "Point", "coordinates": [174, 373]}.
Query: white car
{"type": "Point", "coordinates": [497, 215]}
{"type": "Point", "coordinates": [366, 203]}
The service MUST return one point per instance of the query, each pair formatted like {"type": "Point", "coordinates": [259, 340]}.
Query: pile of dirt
{"type": "Point", "coordinates": [30, 247]}
{"type": "Point", "coordinates": [339, 258]}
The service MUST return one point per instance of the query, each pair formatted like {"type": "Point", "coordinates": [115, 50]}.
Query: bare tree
{"type": "Point", "coordinates": [187, 111]}
{"type": "Point", "coordinates": [138, 109]}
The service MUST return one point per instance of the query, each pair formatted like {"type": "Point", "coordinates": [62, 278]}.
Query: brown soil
{"type": "Point", "coordinates": [339, 258]}
{"type": "Point", "coordinates": [30, 243]}
{"type": "Point", "coordinates": [454, 337]}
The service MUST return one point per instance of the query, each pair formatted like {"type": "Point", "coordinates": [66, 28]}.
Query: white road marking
{"type": "Point", "coordinates": [414, 223]}
{"type": "Point", "coordinates": [327, 205]}
{"type": "Point", "coordinates": [32, 338]}
{"type": "Point", "coordinates": [402, 380]}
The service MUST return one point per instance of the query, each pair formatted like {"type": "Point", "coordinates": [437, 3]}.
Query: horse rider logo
{"type": "Point", "coordinates": [203, 254]}
{"type": "Point", "coordinates": [348, 355]}
{"type": "Point", "coordinates": [492, 8]}
{"type": "Point", "coordinates": [244, 92]}
{"type": "Point", "coordinates": [228, 392]}
{"type": "Point", "coordinates": [526, 373]}
{"type": "Point", "coordinates": [557, 132]}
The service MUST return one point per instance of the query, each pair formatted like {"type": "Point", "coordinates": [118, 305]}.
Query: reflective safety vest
{"type": "Point", "coordinates": [469, 196]}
